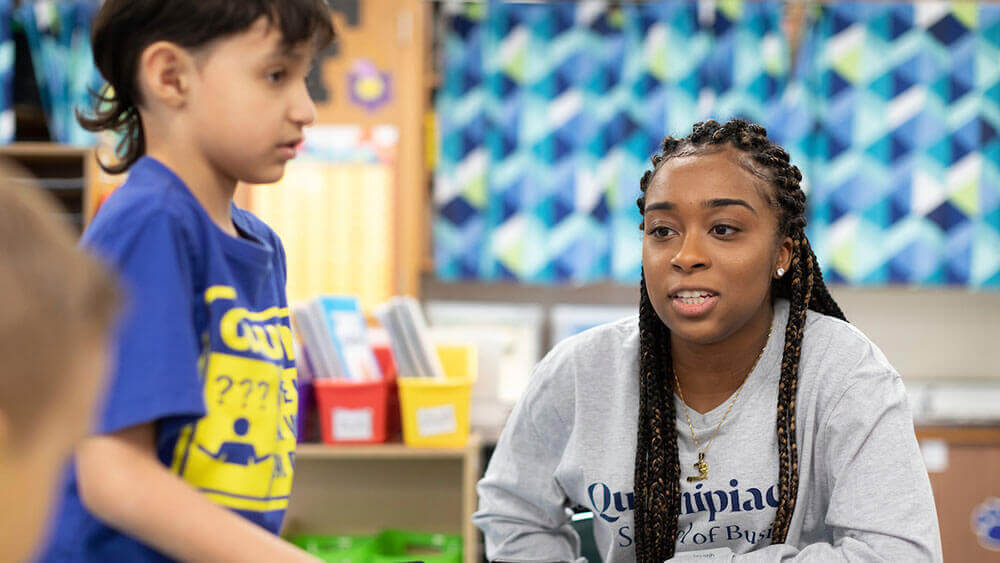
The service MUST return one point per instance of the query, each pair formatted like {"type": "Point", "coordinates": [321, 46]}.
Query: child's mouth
{"type": "Point", "coordinates": [290, 149]}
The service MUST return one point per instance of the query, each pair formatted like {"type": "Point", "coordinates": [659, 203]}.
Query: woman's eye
{"type": "Point", "coordinates": [724, 230]}
{"type": "Point", "coordinates": [276, 76]}
{"type": "Point", "coordinates": [661, 232]}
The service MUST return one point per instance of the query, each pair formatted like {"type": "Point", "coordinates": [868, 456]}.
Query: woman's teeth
{"type": "Point", "coordinates": [692, 297]}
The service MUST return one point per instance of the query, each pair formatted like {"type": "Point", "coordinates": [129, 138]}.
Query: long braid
{"type": "Point", "coordinates": [672, 502]}
{"type": "Point", "coordinates": [643, 437]}
{"type": "Point", "coordinates": [787, 446]}
{"type": "Point", "coordinates": [657, 468]}
{"type": "Point", "coordinates": [657, 471]}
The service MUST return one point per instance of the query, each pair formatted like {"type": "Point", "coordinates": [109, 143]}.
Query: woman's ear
{"type": "Point", "coordinates": [784, 258]}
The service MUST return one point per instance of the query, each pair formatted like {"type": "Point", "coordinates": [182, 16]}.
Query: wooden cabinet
{"type": "Point", "coordinates": [363, 489]}
{"type": "Point", "coordinates": [60, 169]}
{"type": "Point", "coordinates": [970, 476]}
{"type": "Point", "coordinates": [69, 173]}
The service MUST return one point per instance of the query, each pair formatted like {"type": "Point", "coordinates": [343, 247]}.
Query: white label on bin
{"type": "Point", "coordinates": [353, 424]}
{"type": "Point", "coordinates": [434, 421]}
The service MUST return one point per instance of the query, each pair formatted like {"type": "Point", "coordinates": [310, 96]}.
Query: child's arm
{"type": "Point", "coordinates": [122, 483]}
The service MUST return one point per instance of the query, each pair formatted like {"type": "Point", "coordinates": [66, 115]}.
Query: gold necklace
{"type": "Point", "coordinates": [701, 465]}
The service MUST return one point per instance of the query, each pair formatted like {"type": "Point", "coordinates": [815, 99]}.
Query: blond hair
{"type": "Point", "coordinates": [54, 298]}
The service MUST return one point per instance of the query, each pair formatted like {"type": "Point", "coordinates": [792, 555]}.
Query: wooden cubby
{"type": "Point", "coordinates": [359, 490]}
{"type": "Point", "coordinates": [69, 173]}
{"type": "Point", "coordinates": [61, 169]}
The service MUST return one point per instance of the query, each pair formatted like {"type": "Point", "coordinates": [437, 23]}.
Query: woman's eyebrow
{"type": "Point", "coordinates": [707, 204]}
{"type": "Point", "coordinates": [660, 205]}
{"type": "Point", "coordinates": [725, 201]}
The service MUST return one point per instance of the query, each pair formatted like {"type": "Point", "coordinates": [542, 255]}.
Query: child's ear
{"type": "Point", "coordinates": [165, 73]}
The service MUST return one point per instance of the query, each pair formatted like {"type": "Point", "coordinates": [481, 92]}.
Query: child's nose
{"type": "Point", "coordinates": [303, 110]}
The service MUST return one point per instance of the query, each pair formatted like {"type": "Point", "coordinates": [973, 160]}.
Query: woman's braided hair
{"type": "Point", "coordinates": [657, 468]}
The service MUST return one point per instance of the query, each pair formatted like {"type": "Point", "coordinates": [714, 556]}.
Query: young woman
{"type": "Point", "coordinates": [738, 418]}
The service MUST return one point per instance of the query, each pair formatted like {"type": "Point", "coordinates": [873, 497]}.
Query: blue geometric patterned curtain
{"type": "Point", "coordinates": [688, 62]}
{"type": "Point", "coordinates": [548, 114]}
{"type": "Point", "coordinates": [58, 34]}
{"type": "Point", "coordinates": [459, 228]}
{"type": "Point", "coordinates": [6, 73]}
{"type": "Point", "coordinates": [514, 196]}
{"type": "Point", "coordinates": [904, 156]}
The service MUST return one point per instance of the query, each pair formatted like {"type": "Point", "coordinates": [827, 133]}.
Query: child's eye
{"type": "Point", "coordinates": [276, 75]}
{"type": "Point", "coordinates": [724, 230]}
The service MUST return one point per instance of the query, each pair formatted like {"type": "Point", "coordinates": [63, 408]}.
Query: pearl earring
{"type": "Point", "coordinates": [781, 272]}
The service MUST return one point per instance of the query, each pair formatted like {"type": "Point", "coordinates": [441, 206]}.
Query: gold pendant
{"type": "Point", "coordinates": [702, 467]}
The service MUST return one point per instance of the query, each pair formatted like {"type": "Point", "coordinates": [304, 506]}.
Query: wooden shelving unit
{"type": "Point", "coordinates": [42, 151]}
{"type": "Point", "coordinates": [60, 168]}
{"type": "Point", "coordinates": [962, 435]}
{"type": "Point", "coordinates": [393, 450]}
{"type": "Point", "coordinates": [70, 173]}
{"type": "Point", "coordinates": [346, 490]}
{"type": "Point", "coordinates": [965, 474]}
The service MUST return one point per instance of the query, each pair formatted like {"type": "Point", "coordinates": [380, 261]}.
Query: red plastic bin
{"type": "Point", "coordinates": [386, 362]}
{"type": "Point", "coordinates": [352, 412]}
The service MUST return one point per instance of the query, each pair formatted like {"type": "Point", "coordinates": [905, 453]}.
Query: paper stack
{"type": "Point", "coordinates": [334, 332]}
{"type": "Point", "coordinates": [410, 339]}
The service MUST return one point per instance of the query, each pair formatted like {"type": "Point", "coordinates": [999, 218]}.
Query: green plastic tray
{"type": "Point", "coordinates": [398, 546]}
{"type": "Point", "coordinates": [338, 549]}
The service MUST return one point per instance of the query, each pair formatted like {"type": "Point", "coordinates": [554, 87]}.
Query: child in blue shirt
{"type": "Point", "coordinates": [195, 450]}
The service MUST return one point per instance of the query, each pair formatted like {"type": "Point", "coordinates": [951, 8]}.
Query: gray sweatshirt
{"type": "Point", "coordinates": [863, 492]}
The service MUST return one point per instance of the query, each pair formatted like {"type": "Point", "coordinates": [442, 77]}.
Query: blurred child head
{"type": "Point", "coordinates": [221, 79]}
{"type": "Point", "coordinates": [57, 305]}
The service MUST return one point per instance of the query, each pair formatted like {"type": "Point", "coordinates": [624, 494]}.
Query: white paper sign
{"type": "Point", "coordinates": [434, 421]}
{"type": "Point", "coordinates": [353, 424]}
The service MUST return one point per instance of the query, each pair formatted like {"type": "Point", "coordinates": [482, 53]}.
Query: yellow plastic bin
{"type": "Point", "coordinates": [436, 411]}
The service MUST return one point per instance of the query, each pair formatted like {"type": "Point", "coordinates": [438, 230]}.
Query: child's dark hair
{"type": "Point", "coordinates": [122, 29]}
{"type": "Point", "coordinates": [657, 468]}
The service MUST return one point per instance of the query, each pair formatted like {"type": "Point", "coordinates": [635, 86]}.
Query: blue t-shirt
{"type": "Point", "coordinates": [204, 352]}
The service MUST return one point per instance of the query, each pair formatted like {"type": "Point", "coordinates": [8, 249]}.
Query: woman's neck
{"type": "Point", "coordinates": [710, 373]}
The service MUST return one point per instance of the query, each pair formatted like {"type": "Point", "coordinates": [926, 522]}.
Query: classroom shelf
{"type": "Point", "coordinates": [70, 173]}
{"type": "Point", "coordinates": [60, 168]}
{"type": "Point", "coordinates": [964, 475]}
{"type": "Point", "coordinates": [391, 450]}
{"type": "Point", "coordinates": [38, 150]}
{"type": "Point", "coordinates": [347, 490]}
{"type": "Point", "coordinates": [985, 435]}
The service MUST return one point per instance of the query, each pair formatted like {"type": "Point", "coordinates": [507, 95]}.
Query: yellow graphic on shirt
{"type": "Point", "coordinates": [241, 454]}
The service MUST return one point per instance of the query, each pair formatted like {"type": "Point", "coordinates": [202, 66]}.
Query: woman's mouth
{"type": "Point", "coordinates": [693, 302]}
